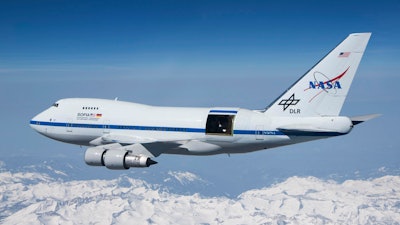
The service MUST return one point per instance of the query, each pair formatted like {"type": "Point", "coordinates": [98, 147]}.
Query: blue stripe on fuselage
{"type": "Point", "coordinates": [146, 128]}
{"type": "Point", "coordinates": [118, 127]}
{"type": "Point", "coordinates": [223, 111]}
{"type": "Point", "coordinates": [177, 129]}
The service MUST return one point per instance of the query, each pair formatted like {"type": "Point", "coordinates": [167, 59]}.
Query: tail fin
{"type": "Point", "coordinates": [323, 89]}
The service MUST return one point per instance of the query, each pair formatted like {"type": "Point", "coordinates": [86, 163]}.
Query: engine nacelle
{"type": "Point", "coordinates": [94, 156]}
{"type": "Point", "coordinates": [116, 159]}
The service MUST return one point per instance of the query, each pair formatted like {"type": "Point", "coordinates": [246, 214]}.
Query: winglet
{"type": "Point", "coordinates": [359, 119]}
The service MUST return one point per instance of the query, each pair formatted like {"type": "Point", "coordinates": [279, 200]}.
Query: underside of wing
{"type": "Point", "coordinates": [152, 147]}
{"type": "Point", "coordinates": [121, 139]}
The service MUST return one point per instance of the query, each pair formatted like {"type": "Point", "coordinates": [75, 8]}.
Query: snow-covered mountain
{"type": "Point", "coordinates": [40, 198]}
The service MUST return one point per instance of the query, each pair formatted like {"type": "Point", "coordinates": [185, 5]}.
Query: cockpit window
{"type": "Point", "coordinates": [55, 104]}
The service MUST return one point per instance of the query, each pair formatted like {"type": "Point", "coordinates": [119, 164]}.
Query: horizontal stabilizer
{"type": "Point", "coordinates": [359, 119]}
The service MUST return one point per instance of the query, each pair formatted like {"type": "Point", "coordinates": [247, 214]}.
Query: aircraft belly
{"type": "Point", "coordinates": [242, 145]}
{"type": "Point", "coordinates": [76, 136]}
{"type": "Point", "coordinates": [72, 138]}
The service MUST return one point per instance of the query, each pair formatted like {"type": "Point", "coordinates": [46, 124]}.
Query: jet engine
{"type": "Point", "coordinates": [116, 159]}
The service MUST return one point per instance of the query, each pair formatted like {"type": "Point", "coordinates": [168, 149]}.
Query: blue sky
{"type": "Point", "coordinates": [180, 52]}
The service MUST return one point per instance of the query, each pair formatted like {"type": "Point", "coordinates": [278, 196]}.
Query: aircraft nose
{"type": "Point", "coordinates": [34, 123]}
{"type": "Point", "coordinates": [37, 121]}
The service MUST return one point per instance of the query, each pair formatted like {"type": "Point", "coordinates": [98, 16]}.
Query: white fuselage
{"type": "Point", "coordinates": [122, 135]}
{"type": "Point", "coordinates": [198, 131]}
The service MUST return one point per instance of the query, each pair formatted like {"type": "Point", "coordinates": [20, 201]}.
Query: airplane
{"type": "Point", "coordinates": [121, 135]}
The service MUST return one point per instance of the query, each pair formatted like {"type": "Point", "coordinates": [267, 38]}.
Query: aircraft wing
{"type": "Point", "coordinates": [140, 150]}
{"type": "Point", "coordinates": [134, 144]}
{"type": "Point", "coordinates": [152, 147]}
{"type": "Point", "coordinates": [121, 139]}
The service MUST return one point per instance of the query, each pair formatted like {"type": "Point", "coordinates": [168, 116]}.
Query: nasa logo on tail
{"type": "Point", "coordinates": [325, 84]}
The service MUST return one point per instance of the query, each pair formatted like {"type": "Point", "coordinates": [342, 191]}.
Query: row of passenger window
{"type": "Point", "coordinates": [151, 128]}
{"type": "Point", "coordinates": [87, 126]}
{"type": "Point", "coordinates": [90, 108]}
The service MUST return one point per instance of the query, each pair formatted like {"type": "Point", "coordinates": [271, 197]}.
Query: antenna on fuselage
{"type": "Point", "coordinates": [116, 99]}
